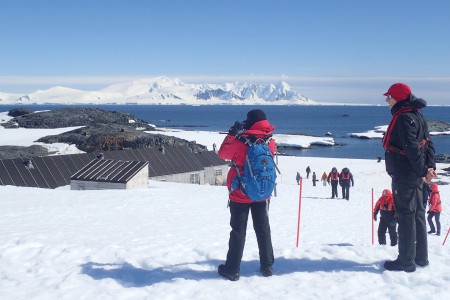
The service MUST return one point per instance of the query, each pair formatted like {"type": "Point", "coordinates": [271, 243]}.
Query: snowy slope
{"type": "Point", "coordinates": [166, 241]}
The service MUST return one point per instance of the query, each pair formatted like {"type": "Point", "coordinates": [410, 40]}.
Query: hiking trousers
{"type": "Point", "coordinates": [334, 190]}
{"type": "Point", "coordinates": [410, 212]}
{"type": "Point", "coordinates": [345, 191]}
{"type": "Point", "coordinates": [238, 222]}
{"type": "Point", "coordinates": [387, 224]}
{"type": "Point", "coordinates": [436, 216]}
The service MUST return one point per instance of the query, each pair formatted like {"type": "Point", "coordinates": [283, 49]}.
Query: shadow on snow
{"type": "Point", "coordinates": [130, 276]}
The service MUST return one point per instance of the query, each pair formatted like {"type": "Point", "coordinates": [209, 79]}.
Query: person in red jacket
{"type": "Point", "coordinates": [385, 204]}
{"type": "Point", "coordinates": [333, 178]}
{"type": "Point", "coordinates": [434, 210]}
{"type": "Point", "coordinates": [255, 126]}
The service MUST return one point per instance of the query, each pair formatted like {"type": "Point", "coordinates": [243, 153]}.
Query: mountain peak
{"type": "Point", "coordinates": [167, 90]}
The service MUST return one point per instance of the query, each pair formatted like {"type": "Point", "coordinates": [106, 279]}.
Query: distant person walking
{"type": "Point", "coordinates": [434, 210]}
{"type": "Point", "coordinates": [344, 181]}
{"type": "Point", "coordinates": [333, 179]}
{"type": "Point", "coordinates": [324, 178]}
{"type": "Point", "coordinates": [298, 178]}
{"type": "Point", "coordinates": [314, 178]}
{"type": "Point", "coordinates": [308, 170]}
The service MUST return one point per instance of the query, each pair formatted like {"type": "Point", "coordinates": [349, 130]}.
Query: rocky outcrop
{"type": "Point", "coordinates": [112, 137]}
{"type": "Point", "coordinates": [103, 130]}
{"type": "Point", "coordinates": [16, 112]}
{"type": "Point", "coordinates": [438, 126]}
{"type": "Point", "coordinates": [11, 152]}
{"type": "Point", "coordinates": [69, 117]}
{"type": "Point", "coordinates": [443, 158]}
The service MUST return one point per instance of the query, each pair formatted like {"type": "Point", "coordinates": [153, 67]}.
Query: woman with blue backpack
{"type": "Point", "coordinates": [250, 182]}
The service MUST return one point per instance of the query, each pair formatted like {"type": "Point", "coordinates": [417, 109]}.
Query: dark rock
{"type": "Point", "coordinates": [112, 137]}
{"type": "Point", "coordinates": [438, 126]}
{"type": "Point", "coordinates": [69, 117]}
{"type": "Point", "coordinates": [442, 158]}
{"type": "Point", "coordinates": [11, 152]}
{"type": "Point", "coordinates": [103, 130]}
{"type": "Point", "coordinates": [16, 112]}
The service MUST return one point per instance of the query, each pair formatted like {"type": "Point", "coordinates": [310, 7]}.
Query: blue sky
{"type": "Point", "coordinates": [336, 51]}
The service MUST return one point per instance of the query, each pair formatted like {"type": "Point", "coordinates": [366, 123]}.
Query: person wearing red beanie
{"type": "Point", "coordinates": [409, 159]}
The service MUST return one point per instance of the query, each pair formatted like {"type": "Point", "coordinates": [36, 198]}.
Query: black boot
{"type": "Point", "coordinates": [395, 265]}
{"type": "Point", "coordinates": [232, 276]}
{"type": "Point", "coordinates": [266, 271]}
{"type": "Point", "coordinates": [422, 263]}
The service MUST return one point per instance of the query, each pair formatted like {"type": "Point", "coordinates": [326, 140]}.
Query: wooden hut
{"type": "Point", "coordinates": [101, 174]}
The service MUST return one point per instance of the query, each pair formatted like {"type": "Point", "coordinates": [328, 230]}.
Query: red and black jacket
{"type": "Point", "coordinates": [235, 150]}
{"type": "Point", "coordinates": [408, 149]}
{"type": "Point", "coordinates": [385, 204]}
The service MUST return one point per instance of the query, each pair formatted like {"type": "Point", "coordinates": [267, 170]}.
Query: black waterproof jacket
{"type": "Point", "coordinates": [405, 155]}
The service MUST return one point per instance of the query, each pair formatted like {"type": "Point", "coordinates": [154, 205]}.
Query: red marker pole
{"type": "Point", "coordinates": [446, 236]}
{"type": "Point", "coordinates": [371, 217]}
{"type": "Point", "coordinates": [299, 211]}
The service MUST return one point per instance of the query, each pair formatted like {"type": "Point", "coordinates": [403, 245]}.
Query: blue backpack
{"type": "Point", "coordinates": [258, 180]}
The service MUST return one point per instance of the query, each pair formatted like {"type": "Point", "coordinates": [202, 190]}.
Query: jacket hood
{"type": "Point", "coordinates": [411, 101]}
{"type": "Point", "coordinates": [345, 170]}
{"type": "Point", "coordinates": [387, 193]}
{"type": "Point", "coordinates": [261, 127]}
{"type": "Point", "coordinates": [434, 188]}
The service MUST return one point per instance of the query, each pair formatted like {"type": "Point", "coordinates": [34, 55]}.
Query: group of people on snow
{"type": "Point", "coordinates": [334, 178]}
{"type": "Point", "coordinates": [410, 162]}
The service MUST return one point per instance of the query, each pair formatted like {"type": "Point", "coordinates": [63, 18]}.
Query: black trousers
{"type": "Point", "coordinates": [387, 224]}
{"type": "Point", "coordinates": [412, 227]}
{"type": "Point", "coordinates": [346, 191]}
{"type": "Point", "coordinates": [436, 216]}
{"type": "Point", "coordinates": [334, 184]}
{"type": "Point", "coordinates": [238, 221]}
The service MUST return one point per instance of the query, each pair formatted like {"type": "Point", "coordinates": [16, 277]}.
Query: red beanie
{"type": "Point", "coordinates": [399, 91]}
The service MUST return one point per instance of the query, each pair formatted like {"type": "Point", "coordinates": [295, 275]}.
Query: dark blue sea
{"type": "Point", "coordinates": [307, 120]}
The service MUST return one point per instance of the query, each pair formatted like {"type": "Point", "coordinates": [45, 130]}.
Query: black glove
{"type": "Point", "coordinates": [428, 212]}
{"type": "Point", "coordinates": [236, 128]}
{"type": "Point", "coordinates": [374, 217]}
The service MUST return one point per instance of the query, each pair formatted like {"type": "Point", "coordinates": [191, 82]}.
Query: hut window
{"type": "Point", "coordinates": [195, 178]}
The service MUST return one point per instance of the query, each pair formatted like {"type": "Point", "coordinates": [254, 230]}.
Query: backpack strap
{"type": "Point", "coordinates": [251, 139]}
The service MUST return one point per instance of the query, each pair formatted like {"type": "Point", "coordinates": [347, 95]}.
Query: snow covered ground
{"type": "Point", "coordinates": [166, 241]}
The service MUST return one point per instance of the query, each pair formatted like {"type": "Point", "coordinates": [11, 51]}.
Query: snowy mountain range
{"type": "Point", "coordinates": [165, 90]}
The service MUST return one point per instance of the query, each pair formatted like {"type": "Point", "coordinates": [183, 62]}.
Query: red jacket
{"type": "Point", "coordinates": [386, 204]}
{"type": "Point", "coordinates": [435, 202]}
{"type": "Point", "coordinates": [235, 150]}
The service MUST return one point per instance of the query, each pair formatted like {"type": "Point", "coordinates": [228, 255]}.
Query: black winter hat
{"type": "Point", "coordinates": [254, 116]}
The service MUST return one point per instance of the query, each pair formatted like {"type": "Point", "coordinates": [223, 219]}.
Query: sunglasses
{"type": "Point", "coordinates": [389, 97]}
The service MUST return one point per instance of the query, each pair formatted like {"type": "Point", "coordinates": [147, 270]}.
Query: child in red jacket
{"type": "Point", "coordinates": [434, 209]}
{"type": "Point", "coordinates": [387, 218]}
